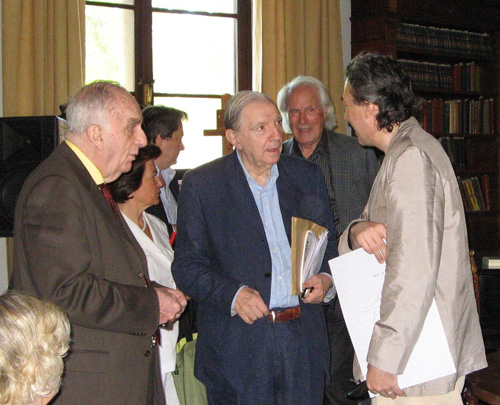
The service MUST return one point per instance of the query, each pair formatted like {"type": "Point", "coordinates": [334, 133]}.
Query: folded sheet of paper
{"type": "Point", "coordinates": [359, 279]}
{"type": "Point", "coordinates": [308, 245]}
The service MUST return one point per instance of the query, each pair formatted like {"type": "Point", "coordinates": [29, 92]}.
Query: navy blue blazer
{"type": "Point", "coordinates": [221, 245]}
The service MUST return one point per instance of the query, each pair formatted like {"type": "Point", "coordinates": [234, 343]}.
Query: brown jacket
{"type": "Point", "coordinates": [69, 247]}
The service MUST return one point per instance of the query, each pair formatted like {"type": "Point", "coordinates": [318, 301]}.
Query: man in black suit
{"type": "Point", "coordinates": [163, 127]}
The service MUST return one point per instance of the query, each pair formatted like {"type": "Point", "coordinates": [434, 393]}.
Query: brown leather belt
{"type": "Point", "coordinates": [284, 315]}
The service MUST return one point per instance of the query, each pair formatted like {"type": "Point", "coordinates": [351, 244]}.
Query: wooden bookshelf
{"type": "Point", "coordinates": [451, 51]}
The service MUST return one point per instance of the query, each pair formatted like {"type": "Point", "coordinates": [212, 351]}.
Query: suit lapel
{"type": "Point", "coordinates": [287, 197]}
{"type": "Point", "coordinates": [335, 153]}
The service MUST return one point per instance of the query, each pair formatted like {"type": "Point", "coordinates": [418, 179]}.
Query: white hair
{"type": "Point", "coordinates": [34, 338]}
{"type": "Point", "coordinates": [306, 81]}
{"type": "Point", "coordinates": [92, 104]}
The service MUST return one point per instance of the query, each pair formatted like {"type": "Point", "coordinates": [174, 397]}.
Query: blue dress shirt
{"type": "Point", "coordinates": [266, 198]}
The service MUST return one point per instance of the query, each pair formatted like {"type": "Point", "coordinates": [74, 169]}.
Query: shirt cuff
{"type": "Point", "coordinates": [233, 311]}
{"type": "Point", "coordinates": [331, 292]}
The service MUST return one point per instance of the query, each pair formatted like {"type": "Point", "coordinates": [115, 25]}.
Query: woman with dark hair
{"type": "Point", "coordinates": [134, 192]}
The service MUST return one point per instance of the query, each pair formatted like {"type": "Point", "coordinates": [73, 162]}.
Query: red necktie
{"type": "Point", "coordinates": [172, 237]}
{"type": "Point", "coordinates": [109, 198]}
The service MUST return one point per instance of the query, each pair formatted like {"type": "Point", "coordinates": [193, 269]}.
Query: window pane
{"type": "Point", "coordinates": [203, 63]}
{"type": "Point", "coordinates": [199, 149]}
{"type": "Point", "coordinates": [109, 42]}
{"type": "Point", "coordinates": [212, 6]}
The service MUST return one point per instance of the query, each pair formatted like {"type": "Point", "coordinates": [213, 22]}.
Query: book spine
{"type": "Point", "coordinates": [485, 185]}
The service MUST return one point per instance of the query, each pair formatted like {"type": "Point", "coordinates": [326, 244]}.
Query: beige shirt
{"type": "Point", "coordinates": [416, 196]}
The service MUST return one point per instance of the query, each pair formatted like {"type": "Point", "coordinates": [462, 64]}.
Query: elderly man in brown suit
{"type": "Point", "coordinates": [414, 221]}
{"type": "Point", "coordinates": [71, 246]}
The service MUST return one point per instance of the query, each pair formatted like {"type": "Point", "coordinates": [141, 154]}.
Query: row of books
{"type": "Point", "coordinates": [456, 151]}
{"type": "Point", "coordinates": [464, 77]}
{"type": "Point", "coordinates": [475, 192]}
{"type": "Point", "coordinates": [462, 116]}
{"type": "Point", "coordinates": [444, 41]}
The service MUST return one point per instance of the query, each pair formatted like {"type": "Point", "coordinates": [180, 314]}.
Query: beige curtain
{"type": "Point", "coordinates": [42, 54]}
{"type": "Point", "coordinates": [42, 58]}
{"type": "Point", "coordinates": [301, 37]}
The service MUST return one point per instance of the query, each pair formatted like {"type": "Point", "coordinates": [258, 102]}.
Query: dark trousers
{"type": "Point", "coordinates": [341, 360]}
{"type": "Point", "coordinates": [288, 377]}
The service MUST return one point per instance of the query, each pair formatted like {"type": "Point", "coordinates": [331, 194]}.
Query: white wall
{"type": "Point", "coordinates": [345, 16]}
{"type": "Point", "coordinates": [3, 244]}
{"type": "Point", "coordinates": [3, 241]}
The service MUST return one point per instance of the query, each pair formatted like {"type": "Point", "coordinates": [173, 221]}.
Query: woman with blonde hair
{"type": "Point", "coordinates": [34, 338]}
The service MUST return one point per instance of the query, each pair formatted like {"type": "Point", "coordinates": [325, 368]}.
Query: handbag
{"type": "Point", "coordinates": [189, 389]}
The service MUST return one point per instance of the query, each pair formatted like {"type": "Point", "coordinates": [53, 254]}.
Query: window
{"type": "Point", "coordinates": [179, 53]}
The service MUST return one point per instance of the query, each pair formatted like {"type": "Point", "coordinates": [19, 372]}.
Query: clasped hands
{"type": "Point", "coordinates": [172, 304]}
{"type": "Point", "coordinates": [250, 306]}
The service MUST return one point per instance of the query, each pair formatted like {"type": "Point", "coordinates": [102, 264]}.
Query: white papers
{"type": "Point", "coordinates": [308, 245]}
{"type": "Point", "coordinates": [314, 251]}
{"type": "Point", "coordinates": [359, 279]}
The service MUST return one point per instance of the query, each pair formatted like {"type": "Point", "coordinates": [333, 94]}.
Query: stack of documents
{"type": "Point", "coordinates": [309, 242]}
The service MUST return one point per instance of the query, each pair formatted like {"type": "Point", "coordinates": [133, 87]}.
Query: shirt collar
{"type": "Point", "coordinates": [94, 172]}
{"type": "Point", "coordinates": [272, 177]}
{"type": "Point", "coordinates": [321, 148]}
{"type": "Point", "coordinates": [168, 174]}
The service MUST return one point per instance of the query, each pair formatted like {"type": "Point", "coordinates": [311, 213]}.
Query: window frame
{"type": "Point", "coordinates": [143, 51]}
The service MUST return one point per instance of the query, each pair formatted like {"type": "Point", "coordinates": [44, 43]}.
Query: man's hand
{"type": "Point", "coordinates": [250, 306]}
{"type": "Point", "coordinates": [320, 284]}
{"type": "Point", "coordinates": [370, 236]}
{"type": "Point", "coordinates": [383, 383]}
{"type": "Point", "coordinates": [172, 303]}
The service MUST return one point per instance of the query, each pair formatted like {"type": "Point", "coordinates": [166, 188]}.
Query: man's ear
{"type": "Point", "coordinates": [371, 110]}
{"type": "Point", "coordinates": [159, 140]}
{"type": "Point", "coordinates": [233, 138]}
{"type": "Point", "coordinates": [95, 135]}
